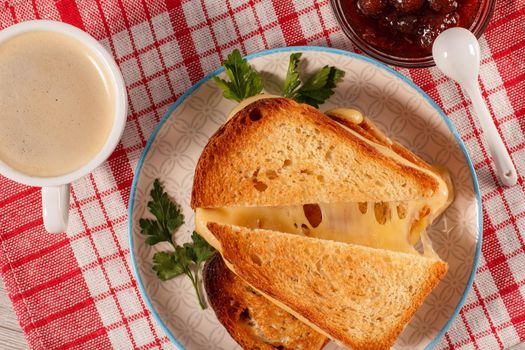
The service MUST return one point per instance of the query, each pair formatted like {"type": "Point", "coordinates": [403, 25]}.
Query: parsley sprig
{"type": "Point", "coordinates": [245, 81]}
{"type": "Point", "coordinates": [317, 89]}
{"type": "Point", "coordinates": [186, 259]}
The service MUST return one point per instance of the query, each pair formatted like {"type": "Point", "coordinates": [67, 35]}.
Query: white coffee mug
{"type": "Point", "coordinates": [55, 190]}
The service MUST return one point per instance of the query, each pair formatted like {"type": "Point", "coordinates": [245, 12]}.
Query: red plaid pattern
{"type": "Point", "coordinates": [76, 290]}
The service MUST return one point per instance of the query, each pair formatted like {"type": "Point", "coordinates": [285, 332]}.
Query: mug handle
{"type": "Point", "coordinates": [55, 208]}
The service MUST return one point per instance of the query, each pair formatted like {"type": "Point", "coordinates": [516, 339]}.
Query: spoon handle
{"type": "Point", "coordinates": [504, 166]}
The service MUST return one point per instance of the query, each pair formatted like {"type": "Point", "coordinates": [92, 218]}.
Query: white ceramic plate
{"type": "Point", "coordinates": [398, 107]}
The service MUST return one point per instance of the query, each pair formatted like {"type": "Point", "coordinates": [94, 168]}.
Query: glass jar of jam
{"type": "Point", "coordinates": [401, 32]}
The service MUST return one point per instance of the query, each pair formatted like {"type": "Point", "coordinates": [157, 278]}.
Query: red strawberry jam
{"type": "Point", "coordinates": [407, 28]}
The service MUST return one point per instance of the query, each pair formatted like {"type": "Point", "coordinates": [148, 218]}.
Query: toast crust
{"type": "Point", "coordinates": [276, 151]}
{"type": "Point", "coordinates": [252, 320]}
{"type": "Point", "coordinates": [371, 293]}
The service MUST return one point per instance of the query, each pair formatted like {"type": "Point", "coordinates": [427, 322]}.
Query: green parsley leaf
{"type": "Point", "coordinates": [183, 256]}
{"type": "Point", "coordinates": [319, 87]}
{"type": "Point", "coordinates": [166, 212]}
{"type": "Point", "coordinates": [292, 81]}
{"type": "Point", "coordinates": [168, 215]}
{"type": "Point", "coordinates": [244, 80]}
{"type": "Point", "coordinates": [152, 229]}
{"type": "Point", "coordinates": [185, 259]}
{"type": "Point", "coordinates": [166, 266]}
{"type": "Point", "coordinates": [201, 248]}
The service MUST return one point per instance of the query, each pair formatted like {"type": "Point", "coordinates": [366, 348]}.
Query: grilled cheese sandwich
{"type": "Point", "coordinates": [284, 167]}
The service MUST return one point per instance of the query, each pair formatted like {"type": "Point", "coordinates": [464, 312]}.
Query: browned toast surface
{"type": "Point", "coordinates": [251, 319]}
{"type": "Point", "coordinates": [362, 297]}
{"type": "Point", "coordinates": [279, 152]}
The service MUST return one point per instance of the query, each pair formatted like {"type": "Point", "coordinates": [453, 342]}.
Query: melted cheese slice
{"type": "Point", "coordinates": [379, 227]}
{"type": "Point", "coordinates": [396, 226]}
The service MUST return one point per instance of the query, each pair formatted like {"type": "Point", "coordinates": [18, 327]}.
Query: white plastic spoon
{"type": "Point", "coordinates": [456, 53]}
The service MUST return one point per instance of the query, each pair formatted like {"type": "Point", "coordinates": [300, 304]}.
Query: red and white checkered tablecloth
{"type": "Point", "coordinates": [76, 290]}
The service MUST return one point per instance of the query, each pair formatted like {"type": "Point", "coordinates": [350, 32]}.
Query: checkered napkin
{"type": "Point", "coordinates": [76, 290]}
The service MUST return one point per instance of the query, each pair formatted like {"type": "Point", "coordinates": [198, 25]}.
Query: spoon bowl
{"type": "Point", "coordinates": [456, 53]}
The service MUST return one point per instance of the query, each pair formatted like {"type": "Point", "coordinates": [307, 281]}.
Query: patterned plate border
{"type": "Point", "coordinates": [218, 71]}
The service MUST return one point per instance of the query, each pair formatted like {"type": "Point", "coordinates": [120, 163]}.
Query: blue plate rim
{"type": "Point", "coordinates": [219, 70]}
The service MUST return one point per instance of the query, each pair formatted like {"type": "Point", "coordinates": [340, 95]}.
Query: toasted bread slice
{"type": "Point", "coordinates": [251, 319]}
{"type": "Point", "coordinates": [279, 152]}
{"type": "Point", "coordinates": [358, 296]}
